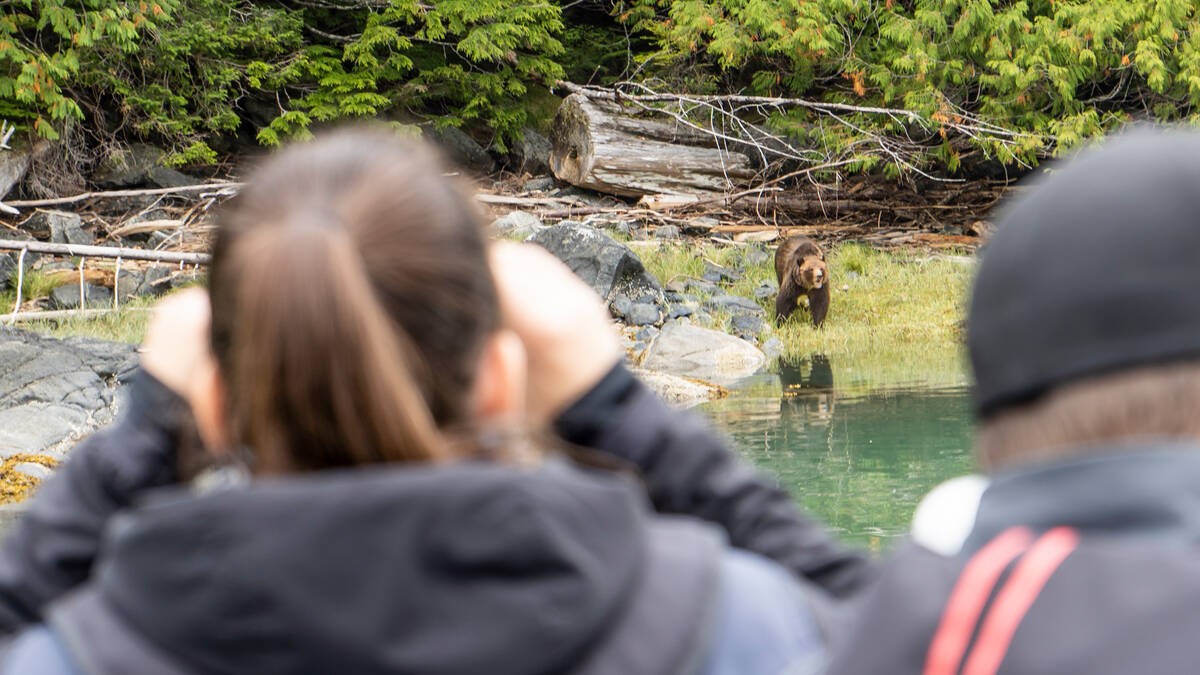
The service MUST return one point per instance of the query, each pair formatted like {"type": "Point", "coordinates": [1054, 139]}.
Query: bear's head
{"type": "Point", "coordinates": [811, 272]}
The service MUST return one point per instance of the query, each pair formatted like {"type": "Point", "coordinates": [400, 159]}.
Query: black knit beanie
{"type": "Point", "coordinates": [1095, 269]}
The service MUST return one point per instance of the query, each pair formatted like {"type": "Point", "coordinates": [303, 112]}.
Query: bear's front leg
{"type": "Point", "coordinates": [785, 302]}
{"type": "Point", "coordinates": [818, 304]}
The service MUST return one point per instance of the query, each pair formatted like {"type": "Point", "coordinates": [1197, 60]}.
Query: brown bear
{"type": "Point", "coordinates": [801, 270]}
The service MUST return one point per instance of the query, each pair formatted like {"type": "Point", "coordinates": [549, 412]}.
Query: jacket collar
{"type": "Point", "coordinates": [1149, 489]}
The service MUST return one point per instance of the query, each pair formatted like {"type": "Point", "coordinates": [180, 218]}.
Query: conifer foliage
{"type": "Point", "coordinates": [189, 73]}
{"type": "Point", "coordinates": [185, 72]}
{"type": "Point", "coordinates": [1062, 70]}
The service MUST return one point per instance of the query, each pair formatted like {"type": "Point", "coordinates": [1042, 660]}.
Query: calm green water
{"type": "Point", "coordinates": [857, 457]}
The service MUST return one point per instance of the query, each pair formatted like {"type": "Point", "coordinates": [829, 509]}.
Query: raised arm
{"type": "Point", "coordinates": [52, 547]}
{"type": "Point", "coordinates": [577, 386]}
{"type": "Point", "coordinates": [689, 469]}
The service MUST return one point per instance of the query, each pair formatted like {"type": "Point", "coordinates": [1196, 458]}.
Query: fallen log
{"type": "Point", "coordinates": [600, 146]}
{"type": "Point", "coordinates": [105, 252]}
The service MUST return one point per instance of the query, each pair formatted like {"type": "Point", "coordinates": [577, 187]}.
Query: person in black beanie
{"type": "Point", "coordinates": [1080, 552]}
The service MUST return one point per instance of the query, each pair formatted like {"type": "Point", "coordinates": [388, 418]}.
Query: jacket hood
{"type": "Point", "coordinates": [457, 569]}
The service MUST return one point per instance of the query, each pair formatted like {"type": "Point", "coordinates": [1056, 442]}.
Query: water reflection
{"type": "Point", "coordinates": [860, 459]}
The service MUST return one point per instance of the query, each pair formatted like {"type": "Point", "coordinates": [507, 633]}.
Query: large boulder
{"type": "Point", "coordinates": [703, 354]}
{"type": "Point", "coordinates": [67, 297]}
{"type": "Point", "coordinates": [462, 149]}
{"type": "Point", "coordinates": [531, 154]}
{"type": "Point", "coordinates": [54, 391]}
{"type": "Point", "coordinates": [608, 266]}
{"type": "Point", "coordinates": [14, 164]}
{"type": "Point", "coordinates": [128, 167]}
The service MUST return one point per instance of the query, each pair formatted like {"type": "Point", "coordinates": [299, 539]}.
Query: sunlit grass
{"type": "Point", "coordinates": [898, 312]}
{"type": "Point", "coordinates": [125, 325]}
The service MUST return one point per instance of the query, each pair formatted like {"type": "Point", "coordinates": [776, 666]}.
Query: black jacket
{"type": "Point", "coordinates": [384, 531]}
{"type": "Point", "coordinates": [1089, 566]}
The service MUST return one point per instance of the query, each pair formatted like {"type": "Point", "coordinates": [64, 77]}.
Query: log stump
{"type": "Point", "coordinates": [601, 146]}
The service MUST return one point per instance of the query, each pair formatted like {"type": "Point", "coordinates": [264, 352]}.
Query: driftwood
{"type": "Point", "coordinates": [600, 146]}
{"type": "Point", "coordinates": [106, 252]}
{"type": "Point", "coordinates": [226, 187]}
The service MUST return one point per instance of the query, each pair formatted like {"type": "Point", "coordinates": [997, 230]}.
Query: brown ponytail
{"type": "Point", "coordinates": [351, 299]}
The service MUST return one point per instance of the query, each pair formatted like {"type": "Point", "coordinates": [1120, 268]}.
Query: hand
{"type": "Point", "coordinates": [570, 341]}
{"type": "Point", "coordinates": [177, 352]}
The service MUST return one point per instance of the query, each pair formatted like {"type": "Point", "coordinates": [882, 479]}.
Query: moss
{"type": "Point", "coordinates": [16, 485]}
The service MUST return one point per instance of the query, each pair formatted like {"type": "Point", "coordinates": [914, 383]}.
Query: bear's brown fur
{"type": "Point", "coordinates": [801, 270]}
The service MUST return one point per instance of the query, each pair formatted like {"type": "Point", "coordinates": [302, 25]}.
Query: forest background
{"type": "Point", "coordinates": [981, 83]}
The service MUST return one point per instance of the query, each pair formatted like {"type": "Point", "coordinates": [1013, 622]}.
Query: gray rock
{"type": "Point", "coordinates": [647, 334]}
{"type": "Point", "coordinates": [758, 255]}
{"type": "Point", "coordinates": [155, 280]}
{"type": "Point", "coordinates": [773, 347]}
{"type": "Point", "coordinates": [747, 326]}
{"type": "Point", "coordinates": [531, 154]}
{"type": "Point", "coordinates": [19, 235]}
{"type": "Point", "coordinates": [678, 392]}
{"type": "Point", "coordinates": [462, 149]}
{"type": "Point", "coordinates": [127, 282]}
{"type": "Point", "coordinates": [14, 164]}
{"type": "Point", "coordinates": [709, 355]}
{"type": "Point", "coordinates": [718, 274]}
{"type": "Point", "coordinates": [166, 177]}
{"type": "Point", "coordinates": [734, 304]}
{"type": "Point", "coordinates": [8, 270]}
{"type": "Point", "coordinates": [67, 297]}
{"type": "Point", "coordinates": [642, 314]}
{"type": "Point", "coordinates": [53, 391]}
{"type": "Point", "coordinates": [701, 286]}
{"type": "Point", "coordinates": [700, 225]}
{"type": "Point", "coordinates": [128, 167]}
{"type": "Point", "coordinates": [540, 185]}
{"type": "Point", "coordinates": [677, 286]}
{"type": "Point", "coordinates": [667, 232]}
{"type": "Point", "coordinates": [765, 290]}
{"type": "Point", "coordinates": [586, 197]}
{"type": "Point", "coordinates": [609, 267]}
{"type": "Point", "coordinates": [681, 310]}
{"type": "Point", "coordinates": [67, 228]}
{"type": "Point", "coordinates": [620, 306]}
{"type": "Point", "coordinates": [517, 224]}
{"type": "Point", "coordinates": [190, 278]}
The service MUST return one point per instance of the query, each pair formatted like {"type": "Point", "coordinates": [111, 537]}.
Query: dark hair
{"type": "Point", "coordinates": [351, 299]}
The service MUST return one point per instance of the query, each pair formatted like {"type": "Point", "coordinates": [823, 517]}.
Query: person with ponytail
{"type": "Point", "coordinates": [393, 415]}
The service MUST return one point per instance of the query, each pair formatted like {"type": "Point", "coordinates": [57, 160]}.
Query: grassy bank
{"type": "Point", "coordinates": [894, 316]}
{"type": "Point", "coordinates": [899, 312]}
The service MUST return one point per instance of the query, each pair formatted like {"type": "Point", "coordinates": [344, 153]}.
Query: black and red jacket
{"type": "Point", "coordinates": [1089, 566]}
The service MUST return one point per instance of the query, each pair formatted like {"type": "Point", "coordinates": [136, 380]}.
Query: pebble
{"type": "Point", "coordinates": [667, 232]}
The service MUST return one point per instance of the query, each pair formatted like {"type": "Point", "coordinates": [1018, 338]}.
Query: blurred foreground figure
{"type": "Point", "coordinates": [374, 379]}
{"type": "Point", "coordinates": [1083, 554]}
